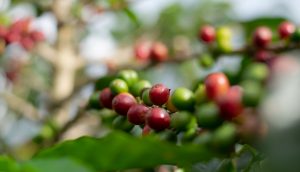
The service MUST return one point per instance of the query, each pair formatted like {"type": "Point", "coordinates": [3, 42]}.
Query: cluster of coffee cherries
{"type": "Point", "coordinates": [262, 37]}
{"type": "Point", "coordinates": [20, 32]}
{"type": "Point", "coordinates": [209, 112]}
{"type": "Point", "coordinates": [156, 52]}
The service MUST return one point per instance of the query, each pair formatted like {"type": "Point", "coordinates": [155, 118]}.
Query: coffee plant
{"type": "Point", "coordinates": [198, 90]}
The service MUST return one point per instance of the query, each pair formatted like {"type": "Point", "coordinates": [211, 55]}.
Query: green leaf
{"type": "Point", "coordinates": [51, 165]}
{"type": "Point", "coordinates": [8, 165]}
{"type": "Point", "coordinates": [132, 16]}
{"type": "Point", "coordinates": [118, 151]}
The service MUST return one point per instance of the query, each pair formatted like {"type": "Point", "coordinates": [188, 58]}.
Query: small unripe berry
{"type": "Point", "coordinates": [158, 119]}
{"type": "Point", "coordinates": [208, 115]}
{"type": "Point", "coordinates": [180, 120]}
{"type": "Point", "coordinates": [129, 76]}
{"type": "Point", "coordinates": [224, 137]}
{"type": "Point", "coordinates": [263, 55]}
{"type": "Point", "coordinates": [256, 71]}
{"type": "Point", "coordinates": [145, 96]}
{"type": "Point", "coordinates": [206, 61]}
{"type": "Point", "coordinates": [224, 36]}
{"type": "Point", "coordinates": [230, 104]}
{"type": "Point", "coordinates": [159, 94]}
{"type": "Point", "coordinates": [137, 87]}
{"type": "Point", "coordinates": [118, 86]}
{"type": "Point", "coordinates": [207, 34]}
{"type": "Point", "coordinates": [286, 29]}
{"type": "Point", "coordinates": [122, 102]}
{"type": "Point", "coordinates": [216, 85]}
{"type": "Point", "coordinates": [106, 98]}
{"type": "Point", "coordinates": [137, 114]}
{"type": "Point", "coordinates": [262, 36]}
{"type": "Point", "coordinates": [159, 52]}
{"type": "Point", "coordinates": [183, 99]}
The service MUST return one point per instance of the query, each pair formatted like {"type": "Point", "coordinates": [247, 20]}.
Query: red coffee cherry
{"type": "Point", "coordinates": [37, 36]}
{"type": "Point", "coordinates": [230, 104]}
{"type": "Point", "coordinates": [159, 52]}
{"type": "Point", "coordinates": [216, 85]}
{"type": "Point", "coordinates": [158, 119]}
{"type": "Point", "coordinates": [3, 32]}
{"type": "Point", "coordinates": [159, 94]}
{"type": "Point", "coordinates": [27, 43]}
{"type": "Point", "coordinates": [207, 34]}
{"type": "Point", "coordinates": [263, 55]}
{"type": "Point", "coordinates": [142, 51]}
{"type": "Point", "coordinates": [12, 37]}
{"type": "Point", "coordinates": [286, 29]}
{"type": "Point", "coordinates": [262, 36]}
{"type": "Point", "coordinates": [106, 97]}
{"type": "Point", "coordinates": [122, 102]}
{"type": "Point", "coordinates": [137, 114]}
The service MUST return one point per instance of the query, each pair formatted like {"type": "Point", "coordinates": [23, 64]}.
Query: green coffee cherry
{"type": "Point", "coordinates": [137, 87]}
{"type": "Point", "coordinates": [145, 97]}
{"type": "Point", "coordinates": [121, 122]}
{"type": "Point", "coordinates": [256, 71]}
{"type": "Point", "coordinates": [208, 115]}
{"type": "Point", "coordinates": [183, 99]}
{"type": "Point", "coordinates": [252, 93]}
{"type": "Point", "coordinates": [180, 120]}
{"type": "Point", "coordinates": [118, 86]}
{"type": "Point", "coordinates": [204, 138]}
{"type": "Point", "coordinates": [224, 137]}
{"type": "Point", "coordinates": [296, 35]}
{"type": "Point", "coordinates": [206, 61]}
{"type": "Point", "coordinates": [224, 37]}
{"type": "Point", "coordinates": [94, 101]}
{"type": "Point", "coordinates": [200, 94]}
{"type": "Point", "coordinates": [129, 76]}
{"type": "Point", "coordinates": [191, 131]}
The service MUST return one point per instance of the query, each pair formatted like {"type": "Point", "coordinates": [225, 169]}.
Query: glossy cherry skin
{"type": "Point", "coordinates": [158, 119]}
{"type": "Point", "coordinates": [122, 103]}
{"type": "Point", "coordinates": [286, 29]}
{"type": "Point", "coordinates": [216, 85]}
{"type": "Point", "coordinates": [230, 104]}
{"type": "Point", "coordinates": [262, 37]}
{"type": "Point", "coordinates": [159, 94]}
{"type": "Point", "coordinates": [106, 97]}
{"type": "Point", "coordinates": [142, 51]}
{"type": "Point", "coordinates": [137, 114]}
{"type": "Point", "coordinates": [207, 34]}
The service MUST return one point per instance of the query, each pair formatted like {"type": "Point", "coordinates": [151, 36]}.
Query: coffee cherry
{"type": "Point", "coordinates": [129, 76]}
{"type": "Point", "coordinates": [200, 94]}
{"type": "Point", "coordinates": [106, 98]}
{"type": "Point", "coordinates": [230, 104]}
{"type": "Point", "coordinates": [207, 34]}
{"type": "Point", "coordinates": [180, 120]}
{"type": "Point", "coordinates": [252, 93]}
{"type": "Point", "coordinates": [159, 52]}
{"type": "Point", "coordinates": [296, 35]}
{"type": "Point", "coordinates": [118, 86]}
{"type": "Point", "coordinates": [256, 71]}
{"type": "Point", "coordinates": [137, 114]}
{"type": "Point", "coordinates": [224, 37]}
{"type": "Point", "coordinates": [263, 55]}
{"type": "Point", "coordinates": [122, 102]}
{"type": "Point", "coordinates": [146, 130]}
{"type": "Point", "coordinates": [27, 43]}
{"type": "Point", "coordinates": [208, 116]}
{"type": "Point", "coordinates": [121, 123]}
{"type": "Point", "coordinates": [142, 51]}
{"type": "Point", "coordinates": [94, 101]}
{"type": "Point", "coordinates": [158, 119]}
{"type": "Point", "coordinates": [216, 85]}
{"type": "Point", "coordinates": [145, 96]}
{"type": "Point", "coordinates": [224, 137]}
{"type": "Point", "coordinates": [262, 36]}
{"type": "Point", "coordinates": [286, 29]}
{"type": "Point", "coordinates": [206, 61]}
{"type": "Point", "coordinates": [183, 99]}
{"type": "Point", "coordinates": [159, 94]}
{"type": "Point", "coordinates": [37, 36]}
{"type": "Point", "coordinates": [137, 87]}
{"type": "Point", "coordinates": [170, 106]}
{"type": "Point", "coordinates": [3, 32]}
